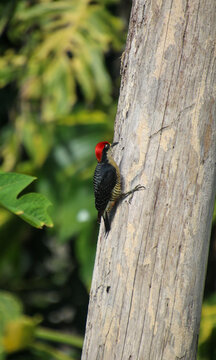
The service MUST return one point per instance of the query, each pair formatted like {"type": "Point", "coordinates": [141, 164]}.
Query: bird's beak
{"type": "Point", "coordinates": [114, 144]}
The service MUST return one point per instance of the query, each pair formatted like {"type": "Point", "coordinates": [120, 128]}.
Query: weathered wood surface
{"type": "Point", "coordinates": [149, 273]}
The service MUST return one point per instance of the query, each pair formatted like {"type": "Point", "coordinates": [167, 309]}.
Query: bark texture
{"type": "Point", "coordinates": [149, 273]}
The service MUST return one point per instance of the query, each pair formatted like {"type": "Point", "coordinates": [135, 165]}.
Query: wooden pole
{"type": "Point", "coordinates": [147, 287]}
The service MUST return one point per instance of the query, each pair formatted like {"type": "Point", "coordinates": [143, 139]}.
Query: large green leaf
{"type": "Point", "coordinates": [10, 309]}
{"type": "Point", "coordinates": [30, 207]}
{"type": "Point", "coordinates": [16, 329]}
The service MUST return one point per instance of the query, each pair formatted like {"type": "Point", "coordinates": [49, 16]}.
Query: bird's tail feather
{"type": "Point", "coordinates": [99, 218]}
{"type": "Point", "coordinates": [106, 222]}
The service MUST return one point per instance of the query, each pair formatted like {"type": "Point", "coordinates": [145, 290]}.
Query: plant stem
{"type": "Point", "coordinates": [46, 349]}
{"type": "Point", "coordinates": [56, 336]}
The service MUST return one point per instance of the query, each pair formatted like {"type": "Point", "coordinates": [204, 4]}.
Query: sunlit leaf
{"type": "Point", "coordinates": [37, 140]}
{"type": "Point", "coordinates": [206, 345]}
{"type": "Point", "coordinates": [10, 309]}
{"type": "Point", "coordinates": [18, 334]}
{"type": "Point", "coordinates": [16, 330]}
{"type": "Point", "coordinates": [83, 117]}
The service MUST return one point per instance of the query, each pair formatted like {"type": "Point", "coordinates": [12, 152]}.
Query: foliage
{"type": "Point", "coordinates": [18, 331]}
{"type": "Point", "coordinates": [53, 69]}
{"type": "Point", "coordinates": [214, 214]}
{"type": "Point", "coordinates": [207, 346]}
{"type": "Point", "coordinates": [30, 207]}
{"type": "Point", "coordinates": [57, 102]}
{"type": "Point", "coordinates": [56, 60]}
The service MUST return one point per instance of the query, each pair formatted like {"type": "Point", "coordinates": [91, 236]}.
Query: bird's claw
{"type": "Point", "coordinates": [139, 187]}
{"type": "Point", "coordinates": [131, 192]}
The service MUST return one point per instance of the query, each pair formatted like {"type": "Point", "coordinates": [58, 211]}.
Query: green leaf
{"type": "Point", "coordinates": [214, 214]}
{"type": "Point", "coordinates": [16, 329]}
{"type": "Point", "coordinates": [10, 309]}
{"type": "Point", "coordinates": [2, 355]}
{"type": "Point", "coordinates": [83, 117]}
{"type": "Point", "coordinates": [19, 334]}
{"type": "Point", "coordinates": [30, 207]}
{"type": "Point", "coordinates": [206, 345]}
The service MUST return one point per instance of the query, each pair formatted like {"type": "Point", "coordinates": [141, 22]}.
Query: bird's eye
{"type": "Point", "coordinates": [107, 146]}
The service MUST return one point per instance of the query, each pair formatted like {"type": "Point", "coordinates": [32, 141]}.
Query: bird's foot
{"type": "Point", "coordinates": [131, 192]}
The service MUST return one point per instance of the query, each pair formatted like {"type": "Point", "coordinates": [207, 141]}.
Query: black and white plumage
{"type": "Point", "coordinates": [106, 181]}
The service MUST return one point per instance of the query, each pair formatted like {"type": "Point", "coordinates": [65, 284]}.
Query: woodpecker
{"type": "Point", "coordinates": [107, 182]}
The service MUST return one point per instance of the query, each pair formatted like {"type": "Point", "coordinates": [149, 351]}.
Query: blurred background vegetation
{"type": "Point", "coordinates": [59, 83]}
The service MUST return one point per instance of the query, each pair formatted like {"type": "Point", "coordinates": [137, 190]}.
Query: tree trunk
{"type": "Point", "coordinates": [148, 280]}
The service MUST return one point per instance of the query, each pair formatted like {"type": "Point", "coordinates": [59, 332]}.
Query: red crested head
{"type": "Point", "coordinates": [99, 149]}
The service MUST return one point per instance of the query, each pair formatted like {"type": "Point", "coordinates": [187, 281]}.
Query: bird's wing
{"type": "Point", "coordinates": [104, 181]}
